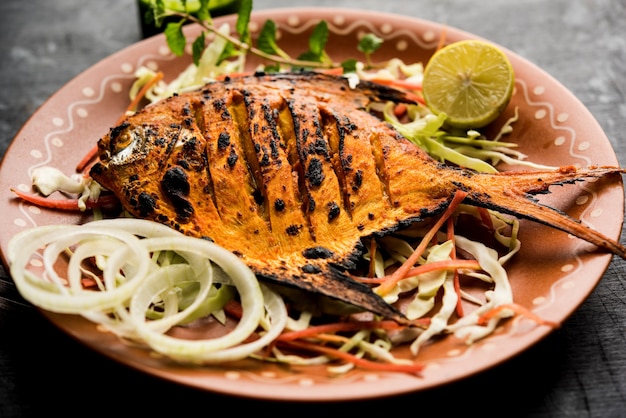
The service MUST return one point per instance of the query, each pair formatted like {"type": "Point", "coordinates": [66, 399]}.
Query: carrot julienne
{"type": "Point", "coordinates": [234, 309]}
{"type": "Point", "coordinates": [453, 264]}
{"type": "Point", "coordinates": [518, 309]}
{"type": "Point", "coordinates": [315, 330]}
{"type": "Point", "coordinates": [415, 97]}
{"type": "Point", "coordinates": [84, 162]}
{"type": "Point", "coordinates": [398, 83]}
{"type": "Point", "coordinates": [485, 217]}
{"type": "Point", "coordinates": [413, 368]}
{"type": "Point", "coordinates": [331, 338]}
{"type": "Point", "coordinates": [400, 109]}
{"type": "Point", "coordinates": [403, 270]}
{"type": "Point", "coordinates": [331, 71]}
{"type": "Point", "coordinates": [132, 106]}
{"type": "Point", "coordinates": [65, 204]}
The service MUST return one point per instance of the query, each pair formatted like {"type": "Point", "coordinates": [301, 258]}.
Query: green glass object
{"type": "Point", "coordinates": [217, 8]}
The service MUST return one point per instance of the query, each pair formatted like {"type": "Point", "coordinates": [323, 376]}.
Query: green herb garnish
{"type": "Point", "coordinates": [241, 43]}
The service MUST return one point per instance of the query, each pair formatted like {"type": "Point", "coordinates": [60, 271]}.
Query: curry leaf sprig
{"type": "Point", "coordinates": [266, 47]}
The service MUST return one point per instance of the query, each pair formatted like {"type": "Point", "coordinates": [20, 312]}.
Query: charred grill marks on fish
{"type": "Point", "coordinates": [290, 172]}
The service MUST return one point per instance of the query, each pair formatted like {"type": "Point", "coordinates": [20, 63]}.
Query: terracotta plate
{"type": "Point", "coordinates": [552, 275]}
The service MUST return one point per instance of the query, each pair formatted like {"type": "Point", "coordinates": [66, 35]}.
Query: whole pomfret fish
{"type": "Point", "coordinates": [291, 172]}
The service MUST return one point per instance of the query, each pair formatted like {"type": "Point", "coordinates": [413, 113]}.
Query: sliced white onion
{"type": "Point", "coordinates": [220, 349]}
{"type": "Point", "coordinates": [131, 282]}
{"type": "Point", "coordinates": [129, 255]}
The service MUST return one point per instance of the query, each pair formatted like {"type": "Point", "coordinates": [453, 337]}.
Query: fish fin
{"type": "Point", "coordinates": [335, 284]}
{"type": "Point", "coordinates": [514, 196]}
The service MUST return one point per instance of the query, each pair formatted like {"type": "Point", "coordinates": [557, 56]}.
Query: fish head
{"type": "Point", "coordinates": [142, 144]}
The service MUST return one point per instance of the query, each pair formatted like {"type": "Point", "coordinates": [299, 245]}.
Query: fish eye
{"type": "Point", "coordinates": [121, 142]}
{"type": "Point", "coordinates": [124, 143]}
{"type": "Point", "coordinates": [117, 138]}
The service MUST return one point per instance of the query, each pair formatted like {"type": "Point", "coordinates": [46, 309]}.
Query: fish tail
{"type": "Point", "coordinates": [514, 195]}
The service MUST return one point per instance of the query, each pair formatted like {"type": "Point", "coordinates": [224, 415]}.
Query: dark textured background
{"type": "Point", "coordinates": [578, 371]}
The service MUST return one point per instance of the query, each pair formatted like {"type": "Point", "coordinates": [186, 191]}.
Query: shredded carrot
{"type": "Point", "coordinates": [141, 94]}
{"type": "Point", "coordinates": [402, 271]}
{"type": "Point", "coordinates": [88, 282]}
{"type": "Point", "coordinates": [485, 217]}
{"type": "Point", "coordinates": [331, 71]}
{"type": "Point", "coordinates": [454, 264]}
{"type": "Point", "coordinates": [234, 309]}
{"type": "Point", "coordinates": [518, 309]}
{"type": "Point", "coordinates": [397, 83]}
{"type": "Point", "coordinates": [313, 331]}
{"type": "Point", "coordinates": [330, 338]}
{"type": "Point", "coordinates": [455, 277]}
{"type": "Point", "coordinates": [66, 204]}
{"type": "Point", "coordinates": [400, 109]}
{"type": "Point", "coordinates": [412, 368]}
{"type": "Point", "coordinates": [91, 154]}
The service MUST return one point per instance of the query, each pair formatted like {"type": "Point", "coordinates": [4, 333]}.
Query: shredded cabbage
{"type": "Point", "coordinates": [467, 149]}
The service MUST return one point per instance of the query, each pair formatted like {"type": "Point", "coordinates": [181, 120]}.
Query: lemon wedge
{"type": "Point", "coordinates": [471, 81]}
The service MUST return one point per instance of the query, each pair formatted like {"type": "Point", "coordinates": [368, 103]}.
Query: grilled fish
{"type": "Point", "coordinates": [291, 172]}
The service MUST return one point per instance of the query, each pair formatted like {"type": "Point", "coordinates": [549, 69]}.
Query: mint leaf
{"type": "Point", "coordinates": [243, 21]}
{"type": "Point", "coordinates": [229, 51]}
{"type": "Point", "coordinates": [204, 13]}
{"type": "Point", "coordinates": [318, 39]}
{"type": "Point", "coordinates": [317, 44]}
{"type": "Point", "coordinates": [266, 43]}
{"type": "Point", "coordinates": [369, 43]}
{"type": "Point", "coordinates": [267, 38]}
{"type": "Point", "coordinates": [272, 68]}
{"type": "Point", "coordinates": [197, 48]}
{"type": "Point", "coordinates": [175, 38]}
{"type": "Point", "coordinates": [349, 65]}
